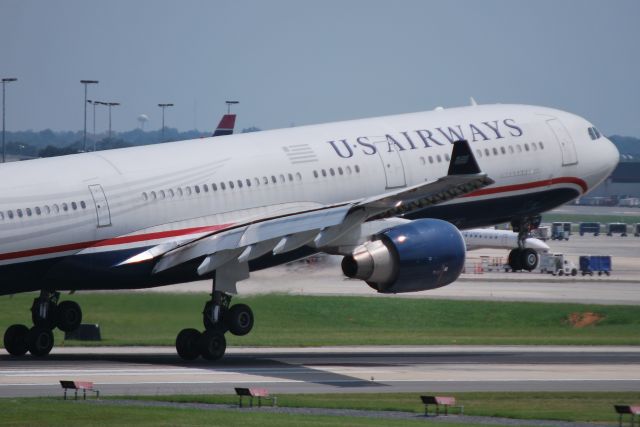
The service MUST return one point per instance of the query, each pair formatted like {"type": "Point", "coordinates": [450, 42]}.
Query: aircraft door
{"type": "Point", "coordinates": [102, 207]}
{"type": "Point", "coordinates": [391, 163]}
{"type": "Point", "coordinates": [567, 146]}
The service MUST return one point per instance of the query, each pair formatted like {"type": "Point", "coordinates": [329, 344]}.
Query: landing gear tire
{"type": "Point", "coordinates": [187, 344]}
{"type": "Point", "coordinates": [47, 319]}
{"type": "Point", "coordinates": [239, 319]}
{"type": "Point", "coordinates": [39, 341]}
{"type": "Point", "coordinates": [515, 260]}
{"type": "Point", "coordinates": [212, 344]}
{"type": "Point", "coordinates": [68, 316]}
{"type": "Point", "coordinates": [15, 340]}
{"type": "Point", "coordinates": [528, 259]}
{"type": "Point", "coordinates": [207, 318]}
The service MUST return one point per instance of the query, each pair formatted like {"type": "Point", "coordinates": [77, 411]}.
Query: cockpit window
{"type": "Point", "coordinates": [594, 133]}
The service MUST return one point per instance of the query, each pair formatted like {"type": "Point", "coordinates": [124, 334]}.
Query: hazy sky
{"type": "Point", "coordinates": [301, 62]}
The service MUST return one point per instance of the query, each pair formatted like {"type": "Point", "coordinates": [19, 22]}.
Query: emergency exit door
{"type": "Point", "coordinates": [392, 163]}
{"type": "Point", "coordinates": [102, 207]}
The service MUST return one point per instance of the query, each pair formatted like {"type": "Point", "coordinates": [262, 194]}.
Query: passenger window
{"type": "Point", "coordinates": [357, 169]}
{"type": "Point", "coordinates": [510, 149]}
{"type": "Point", "coordinates": [205, 187]}
{"type": "Point", "coordinates": [290, 177]}
{"type": "Point", "coordinates": [315, 174]}
{"type": "Point", "coordinates": [282, 179]}
{"type": "Point", "coordinates": [495, 151]}
{"type": "Point", "coordinates": [74, 206]}
{"type": "Point", "coordinates": [248, 182]}
{"type": "Point", "coordinates": [541, 145]}
{"type": "Point", "coordinates": [239, 183]}
{"type": "Point", "coordinates": [265, 180]}
{"type": "Point", "coordinates": [65, 208]}
{"type": "Point", "coordinates": [348, 170]}
{"type": "Point", "coordinates": [534, 147]}
{"type": "Point", "coordinates": [1, 216]}
{"type": "Point", "coordinates": [526, 147]}
{"type": "Point", "coordinates": [161, 193]}
{"type": "Point", "coordinates": [479, 153]}
{"type": "Point", "coordinates": [83, 205]}
{"type": "Point", "coordinates": [298, 176]}
{"type": "Point", "coordinates": [324, 173]}
{"type": "Point", "coordinates": [19, 212]}
{"type": "Point", "coordinates": [28, 210]}
{"type": "Point", "coordinates": [145, 196]}
{"type": "Point", "coordinates": [430, 159]}
{"type": "Point", "coordinates": [187, 191]}
{"type": "Point", "coordinates": [332, 172]}
{"type": "Point", "coordinates": [257, 180]}
{"type": "Point", "coordinates": [214, 187]}
{"type": "Point", "coordinates": [340, 171]}
{"type": "Point", "coordinates": [447, 158]}
{"type": "Point", "coordinates": [502, 150]}
{"type": "Point", "coordinates": [486, 152]}
{"type": "Point", "coordinates": [223, 186]}
{"type": "Point", "coordinates": [519, 148]}
{"type": "Point", "coordinates": [56, 208]}
{"type": "Point", "coordinates": [38, 211]}
{"type": "Point", "coordinates": [273, 179]}
{"type": "Point", "coordinates": [180, 192]}
{"type": "Point", "coordinates": [47, 209]}
{"type": "Point", "coordinates": [231, 185]}
{"type": "Point", "coordinates": [10, 214]}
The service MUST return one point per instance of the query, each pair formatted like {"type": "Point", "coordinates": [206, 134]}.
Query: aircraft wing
{"type": "Point", "coordinates": [316, 227]}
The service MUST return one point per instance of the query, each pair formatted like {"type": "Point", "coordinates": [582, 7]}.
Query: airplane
{"type": "Point", "coordinates": [226, 125]}
{"type": "Point", "coordinates": [481, 238]}
{"type": "Point", "coordinates": [389, 194]}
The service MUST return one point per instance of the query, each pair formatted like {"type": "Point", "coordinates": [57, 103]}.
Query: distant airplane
{"type": "Point", "coordinates": [526, 258]}
{"type": "Point", "coordinates": [226, 125]}
{"type": "Point", "coordinates": [389, 194]}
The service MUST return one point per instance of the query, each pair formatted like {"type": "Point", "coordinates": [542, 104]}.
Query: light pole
{"type": "Point", "coordinates": [163, 106]}
{"type": "Point", "coordinates": [229, 104]}
{"type": "Point", "coordinates": [110, 104]}
{"type": "Point", "coordinates": [85, 83]}
{"type": "Point", "coordinates": [4, 82]}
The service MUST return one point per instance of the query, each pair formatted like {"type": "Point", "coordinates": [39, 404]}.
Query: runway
{"type": "Point", "coordinates": [157, 370]}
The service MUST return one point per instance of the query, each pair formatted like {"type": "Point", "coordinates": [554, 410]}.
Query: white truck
{"type": "Point", "coordinates": [557, 264]}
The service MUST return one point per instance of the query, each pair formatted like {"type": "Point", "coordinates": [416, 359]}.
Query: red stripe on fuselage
{"type": "Point", "coordinates": [111, 242]}
{"type": "Point", "coordinates": [528, 185]}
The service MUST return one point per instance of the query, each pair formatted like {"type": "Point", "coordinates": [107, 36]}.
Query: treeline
{"type": "Point", "coordinates": [47, 143]}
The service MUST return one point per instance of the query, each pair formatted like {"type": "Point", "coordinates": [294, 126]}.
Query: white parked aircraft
{"type": "Point", "coordinates": [520, 258]}
{"type": "Point", "coordinates": [389, 194]}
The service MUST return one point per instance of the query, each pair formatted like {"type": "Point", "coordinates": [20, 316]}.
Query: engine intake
{"type": "Point", "coordinates": [421, 255]}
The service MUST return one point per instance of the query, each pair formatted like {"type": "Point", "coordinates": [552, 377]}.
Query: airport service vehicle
{"type": "Point", "coordinates": [617, 228]}
{"type": "Point", "coordinates": [589, 227]}
{"type": "Point", "coordinates": [557, 264]}
{"type": "Point", "coordinates": [595, 263]}
{"type": "Point", "coordinates": [560, 230]}
{"type": "Point", "coordinates": [389, 194]}
{"type": "Point", "coordinates": [525, 258]}
{"type": "Point", "coordinates": [629, 202]}
{"type": "Point", "coordinates": [636, 230]}
{"type": "Point", "coordinates": [541, 233]}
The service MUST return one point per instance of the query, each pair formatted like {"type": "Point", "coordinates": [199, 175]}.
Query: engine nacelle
{"type": "Point", "coordinates": [421, 255]}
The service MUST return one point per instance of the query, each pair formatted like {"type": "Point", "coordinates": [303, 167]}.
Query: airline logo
{"type": "Point", "coordinates": [427, 138]}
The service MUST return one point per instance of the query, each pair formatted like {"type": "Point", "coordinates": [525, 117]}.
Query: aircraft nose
{"type": "Point", "coordinates": [611, 155]}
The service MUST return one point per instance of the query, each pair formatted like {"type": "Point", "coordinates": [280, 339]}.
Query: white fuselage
{"type": "Point", "coordinates": [481, 238]}
{"type": "Point", "coordinates": [122, 200]}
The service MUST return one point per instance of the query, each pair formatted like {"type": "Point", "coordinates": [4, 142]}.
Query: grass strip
{"type": "Point", "coordinates": [281, 320]}
{"type": "Point", "coordinates": [559, 406]}
{"type": "Point", "coordinates": [58, 412]}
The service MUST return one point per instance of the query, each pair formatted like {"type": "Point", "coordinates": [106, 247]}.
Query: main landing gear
{"type": "Point", "coordinates": [46, 314]}
{"type": "Point", "coordinates": [218, 317]}
{"type": "Point", "coordinates": [524, 258]}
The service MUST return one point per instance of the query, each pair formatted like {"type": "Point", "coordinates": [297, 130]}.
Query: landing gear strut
{"type": "Point", "coordinates": [524, 258]}
{"type": "Point", "coordinates": [218, 317]}
{"type": "Point", "coordinates": [46, 314]}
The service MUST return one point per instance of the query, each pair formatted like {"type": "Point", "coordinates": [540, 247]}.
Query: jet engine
{"type": "Point", "coordinates": [417, 256]}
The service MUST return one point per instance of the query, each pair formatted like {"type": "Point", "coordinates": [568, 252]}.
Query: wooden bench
{"type": "Point", "coordinates": [445, 401]}
{"type": "Point", "coordinates": [260, 393]}
{"type": "Point", "coordinates": [627, 409]}
{"type": "Point", "coordinates": [79, 385]}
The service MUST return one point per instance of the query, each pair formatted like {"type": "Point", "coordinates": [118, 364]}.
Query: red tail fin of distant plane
{"type": "Point", "coordinates": [226, 125]}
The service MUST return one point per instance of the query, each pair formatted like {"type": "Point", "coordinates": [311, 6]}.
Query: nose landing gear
{"type": "Point", "coordinates": [46, 314]}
